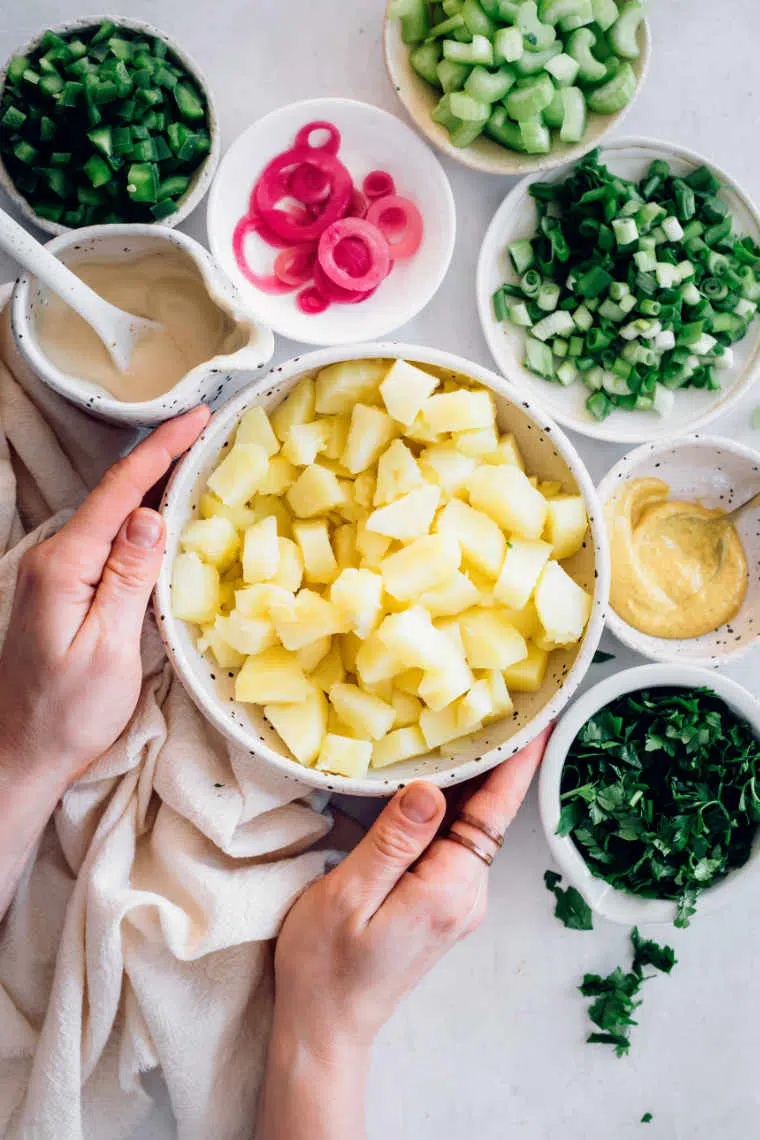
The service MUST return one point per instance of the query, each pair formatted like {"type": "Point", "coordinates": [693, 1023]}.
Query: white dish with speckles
{"type": "Point", "coordinates": [719, 474]}
{"type": "Point", "coordinates": [546, 450]}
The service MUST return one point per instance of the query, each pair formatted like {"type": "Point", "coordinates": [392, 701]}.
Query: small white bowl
{"type": "Point", "coordinates": [546, 451]}
{"type": "Point", "coordinates": [206, 382]}
{"type": "Point", "coordinates": [205, 172]}
{"type": "Point", "coordinates": [517, 218]}
{"type": "Point", "coordinates": [718, 473]}
{"type": "Point", "coordinates": [620, 906]}
{"type": "Point", "coordinates": [371, 139]}
{"type": "Point", "coordinates": [485, 155]}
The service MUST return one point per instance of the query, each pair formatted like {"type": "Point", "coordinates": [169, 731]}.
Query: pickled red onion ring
{"type": "Point", "coordinates": [334, 292]}
{"type": "Point", "coordinates": [386, 213]}
{"type": "Point", "coordinates": [268, 194]}
{"type": "Point", "coordinates": [266, 283]}
{"type": "Point", "coordinates": [378, 184]}
{"type": "Point", "coordinates": [309, 184]}
{"type": "Point", "coordinates": [376, 246]}
{"type": "Point", "coordinates": [311, 301]}
{"type": "Point", "coordinates": [295, 266]}
{"type": "Point", "coordinates": [332, 143]}
{"type": "Point", "coordinates": [358, 205]}
{"type": "Point", "coordinates": [259, 226]}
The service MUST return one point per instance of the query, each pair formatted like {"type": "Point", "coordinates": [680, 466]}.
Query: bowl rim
{"type": "Point", "coordinates": [204, 173]}
{"type": "Point", "coordinates": [620, 906]}
{"type": "Point", "coordinates": [183, 481]}
{"type": "Point", "coordinates": [592, 429]}
{"type": "Point", "coordinates": [521, 164]}
{"type": "Point", "coordinates": [621, 472]}
{"type": "Point", "coordinates": [318, 107]}
{"type": "Point", "coordinates": [107, 405]}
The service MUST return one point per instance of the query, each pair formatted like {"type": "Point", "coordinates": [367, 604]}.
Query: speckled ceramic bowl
{"type": "Point", "coordinates": [547, 452]}
{"type": "Point", "coordinates": [202, 177]}
{"type": "Point", "coordinates": [717, 473]}
{"type": "Point", "coordinates": [206, 382]}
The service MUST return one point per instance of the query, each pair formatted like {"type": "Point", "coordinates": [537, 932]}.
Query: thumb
{"type": "Point", "coordinates": [130, 573]}
{"type": "Point", "coordinates": [399, 836]}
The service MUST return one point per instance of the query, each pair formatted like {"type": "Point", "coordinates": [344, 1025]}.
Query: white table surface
{"type": "Point", "coordinates": [491, 1045]}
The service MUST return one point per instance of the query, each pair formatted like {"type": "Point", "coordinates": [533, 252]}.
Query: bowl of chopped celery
{"type": "Point", "coordinates": [641, 808]}
{"type": "Point", "coordinates": [622, 291]}
{"type": "Point", "coordinates": [105, 120]}
{"type": "Point", "coordinates": [511, 86]}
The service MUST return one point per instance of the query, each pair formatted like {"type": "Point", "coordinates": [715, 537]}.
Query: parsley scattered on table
{"type": "Point", "coordinates": [571, 908]}
{"type": "Point", "coordinates": [647, 1118]}
{"type": "Point", "coordinates": [600, 657]}
{"type": "Point", "coordinates": [617, 996]}
{"type": "Point", "coordinates": [661, 794]}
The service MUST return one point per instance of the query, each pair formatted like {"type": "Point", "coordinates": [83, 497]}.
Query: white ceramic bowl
{"type": "Point", "coordinates": [620, 906]}
{"type": "Point", "coordinates": [206, 382]}
{"type": "Point", "coordinates": [517, 218]}
{"type": "Point", "coordinates": [201, 179]}
{"type": "Point", "coordinates": [371, 139]}
{"type": "Point", "coordinates": [546, 450]}
{"type": "Point", "coordinates": [719, 474]}
{"type": "Point", "coordinates": [419, 99]}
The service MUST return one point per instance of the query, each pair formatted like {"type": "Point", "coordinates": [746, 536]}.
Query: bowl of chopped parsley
{"type": "Point", "coordinates": [650, 793]}
{"type": "Point", "coordinates": [105, 120]}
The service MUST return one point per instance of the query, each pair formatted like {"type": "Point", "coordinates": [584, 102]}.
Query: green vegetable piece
{"type": "Point", "coordinates": [647, 1118]}
{"type": "Point", "coordinates": [122, 49]}
{"type": "Point", "coordinates": [173, 187]}
{"type": "Point", "coordinates": [49, 211]}
{"type": "Point", "coordinates": [16, 68]}
{"type": "Point", "coordinates": [414, 16]}
{"type": "Point", "coordinates": [60, 158]}
{"type": "Point", "coordinates": [102, 138]}
{"type": "Point", "coordinates": [617, 93]}
{"type": "Point", "coordinates": [97, 170]}
{"type": "Point", "coordinates": [25, 152]}
{"type": "Point", "coordinates": [164, 209]}
{"type": "Point", "coordinates": [451, 76]}
{"type": "Point", "coordinates": [529, 100]}
{"type": "Point", "coordinates": [624, 32]}
{"type": "Point", "coordinates": [579, 47]}
{"type": "Point", "coordinates": [489, 86]}
{"type": "Point", "coordinates": [425, 58]}
{"type": "Point", "coordinates": [504, 130]}
{"type": "Point", "coordinates": [571, 909]}
{"type": "Point", "coordinates": [189, 102]}
{"type": "Point", "coordinates": [142, 182]}
{"type": "Point", "coordinates": [104, 32]}
{"type": "Point", "coordinates": [13, 118]}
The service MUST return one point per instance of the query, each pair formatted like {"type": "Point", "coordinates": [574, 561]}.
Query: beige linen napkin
{"type": "Point", "coordinates": [140, 935]}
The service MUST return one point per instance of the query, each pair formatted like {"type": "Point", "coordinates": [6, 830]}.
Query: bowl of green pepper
{"type": "Point", "coordinates": [105, 120]}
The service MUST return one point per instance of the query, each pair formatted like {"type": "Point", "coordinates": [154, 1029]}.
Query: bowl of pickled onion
{"type": "Point", "coordinates": [334, 220]}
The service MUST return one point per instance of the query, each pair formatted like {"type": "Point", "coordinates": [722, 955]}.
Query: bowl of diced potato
{"type": "Point", "coordinates": [382, 564]}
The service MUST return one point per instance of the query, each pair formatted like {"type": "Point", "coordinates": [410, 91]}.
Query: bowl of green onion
{"type": "Point", "coordinates": [648, 793]}
{"type": "Point", "coordinates": [105, 120]}
{"type": "Point", "coordinates": [514, 86]}
{"type": "Point", "coordinates": [621, 291]}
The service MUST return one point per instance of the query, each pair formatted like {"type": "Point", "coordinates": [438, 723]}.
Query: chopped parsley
{"type": "Point", "coordinates": [571, 908]}
{"type": "Point", "coordinates": [647, 1118]}
{"type": "Point", "coordinates": [661, 794]}
{"type": "Point", "coordinates": [617, 996]}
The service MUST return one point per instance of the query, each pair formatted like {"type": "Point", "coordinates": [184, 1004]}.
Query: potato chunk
{"type": "Point", "coordinates": [195, 589]}
{"type": "Point", "coordinates": [506, 494]}
{"type": "Point", "coordinates": [302, 726]}
{"type": "Point", "coordinates": [402, 744]}
{"type": "Point", "coordinates": [358, 594]}
{"type": "Point", "coordinates": [421, 566]}
{"type": "Point", "coordinates": [407, 518]}
{"type": "Point", "coordinates": [254, 427]}
{"type": "Point", "coordinates": [397, 473]}
{"type": "Point", "coordinates": [289, 573]}
{"type": "Point", "coordinates": [405, 389]}
{"type": "Point", "coordinates": [261, 552]}
{"type": "Point", "coordinates": [451, 597]}
{"type": "Point", "coordinates": [458, 411]}
{"type": "Point", "coordinates": [364, 713]}
{"type": "Point", "coordinates": [344, 756]}
{"type": "Point", "coordinates": [305, 441]}
{"type": "Point", "coordinates": [313, 539]}
{"type": "Point", "coordinates": [413, 639]}
{"type": "Point", "coordinates": [215, 540]}
{"type": "Point", "coordinates": [246, 635]}
{"type": "Point", "coordinates": [445, 465]}
{"type": "Point", "coordinates": [566, 525]}
{"type": "Point", "coordinates": [296, 408]}
{"type": "Point", "coordinates": [340, 386]}
{"type": "Point", "coordinates": [523, 563]}
{"type": "Point", "coordinates": [307, 618]}
{"type": "Point", "coordinates": [490, 641]}
{"type": "Point", "coordinates": [439, 687]}
{"type": "Point", "coordinates": [482, 542]}
{"type": "Point", "coordinates": [240, 474]}
{"type": "Point", "coordinates": [272, 676]}
{"type": "Point", "coordinates": [563, 606]}
{"type": "Point", "coordinates": [527, 676]}
{"type": "Point", "coordinates": [315, 491]}
{"type": "Point", "coordinates": [370, 433]}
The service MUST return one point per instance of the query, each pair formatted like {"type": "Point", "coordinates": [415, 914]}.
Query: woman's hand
{"type": "Point", "coordinates": [70, 667]}
{"type": "Point", "coordinates": [364, 936]}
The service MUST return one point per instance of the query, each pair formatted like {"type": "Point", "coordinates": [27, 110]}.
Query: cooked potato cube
{"type": "Point", "coordinates": [313, 538]}
{"type": "Point", "coordinates": [315, 491]}
{"type": "Point", "coordinates": [340, 386]}
{"type": "Point", "coordinates": [301, 726]}
{"type": "Point", "coordinates": [195, 589]}
{"type": "Point", "coordinates": [406, 707]}
{"type": "Point", "coordinates": [420, 432]}
{"type": "Point", "coordinates": [257, 601]}
{"type": "Point", "coordinates": [363, 489]}
{"type": "Point", "coordinates": [478, 442]}
{"type": "Point", "coordinates": [407, 518]}
{"type": "Point", "coordinates": [310, 656]}
{"type": "Point", "coordinates": [397, 473]}
{"type": "Point", "coordinates": [344, 545]}
{"type": "Point", "coordinates": [337, 434]}
{"type": "Point", "coordinates": [482, 543]}
{"type": "Point", "coordinates": [440, 727]}
{"type": "Point", "coordinates": [240, 474]}
{"type": "Point", "coordinates": [566, 525]}
{"type": "Point", "coordinates": [450, 597]}
{"type": "Point", "coordinates": [330, 669]}
{"type": "Point", "coordinates": [306, 619]}
{"type": "Point", "coordinates": [370, 433]}
{"type": "Point", "coordinates": [209, 506]}
{"type": "Point", "coordinates": [254, 427]}
{"type": "Point", "coordinates": [280, 475]}
{"type": "Point", "coordinates": [490, 641]}
{"type": "Point", "coordinates": [500, 698]}
{"type": "Point", "coordinates": [439, 687]}
{"type": "Point", "coordinates": [527, 676]}
{"type": "Point", "coordinates": [272, 676]}
{"type": "Point", "coordinates": [296, 408]}
{"type": "Point", "coordinates": [266, 505]}
{"type": "Point", "coordinates": [400, 745]}
{"type": "Point", "coordinates": [523, 563]}
{"type": "Point", "coordinates": [381, 689]}
{"type": "Point", "coordinates": [246, 635]}
{"type": "Point", "coordinates": [214, 540]}
{"type": "Point", "coordinates": [405, 390]}
{"type": "Point", "coordinates": [550, 488]}
{"type": "Point", "coordinates": [373, 661]}
{"type": "Point", "coordinates": [365, 714]}
{"type": "Point", "coordinates": [261, 551]}
{"type": "Point", "coordinates": [415, 641]}
{"type": "Point", "coordinates": [525, 620]}
{"type": "Point", "coordinates": [449, 468]}
{"type": "Point", "coordinates": [507, 452]}
{"type": "Point", "coordinates": [475, 706]}
{"type": "Point", "coordinates": [344, 756]}
{"type": "Point", "coordinates": [563, 606]}
{"type": "Point", "coordinates": [371, 547]}
{"type": "Point", "coordinates": [421, 566]}
{"type": "Point", "coordinates": [359, 594]}
{"type": "Point", "coordinates": [225, 656]}
{"type": "Point", "coordinates": [305, 441]}
{"type": "Point", "coordinates": [463, 410]}
{"type": "Point", "coordinates": [507, 496]}
{"type": "Point", "coordinates": [289, 573]}
{"type": "Point", "coordinates": [409, 681]}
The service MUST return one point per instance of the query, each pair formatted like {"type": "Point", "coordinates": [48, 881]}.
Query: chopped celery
{"type": "Point", "coordinates": [521, 255]}
{"type": "Point", "coordinates": [579, 47]}
{"type": "Point", "coordinates": [574, 115]}
{"type": "Point", "coordinates": [535, 136]}
{"type": "Point", "coordinates": [479, 51]}
{"type": "Point", "coordinates": [414, 17]}
{"type": "Point", "coordinates": [624, 32]}
{"type": "Point", "coordinates": [539, 358]}
{"type": "Point", "coordinates": [616, 93]}
{"type": "Point", "coordinates": [451, 76]}
{"type": "Point", "coordinates": [425, 58]}
{"type": "Point", "coordinates": [529, 100]}
{"type": "Point", "coordinates": [489, 86]}
{"type": "Point", "coordinates": [508, 44]}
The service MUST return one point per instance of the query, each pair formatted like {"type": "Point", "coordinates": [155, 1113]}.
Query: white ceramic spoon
{"type": "Point", "coordinates": [118, 330]}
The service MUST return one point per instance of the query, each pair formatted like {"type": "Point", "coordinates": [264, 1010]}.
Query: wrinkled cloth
{"type": "Point", "coordinates": [141, 932]}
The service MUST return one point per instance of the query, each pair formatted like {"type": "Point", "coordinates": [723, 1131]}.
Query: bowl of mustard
{"type": "Point", "coordinates": [685, 586]}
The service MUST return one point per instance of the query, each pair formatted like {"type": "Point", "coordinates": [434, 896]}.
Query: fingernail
{"type": "Point", "coordinates": [419, 803]}
{"type": "Point", "coordinates": [144, 529]}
